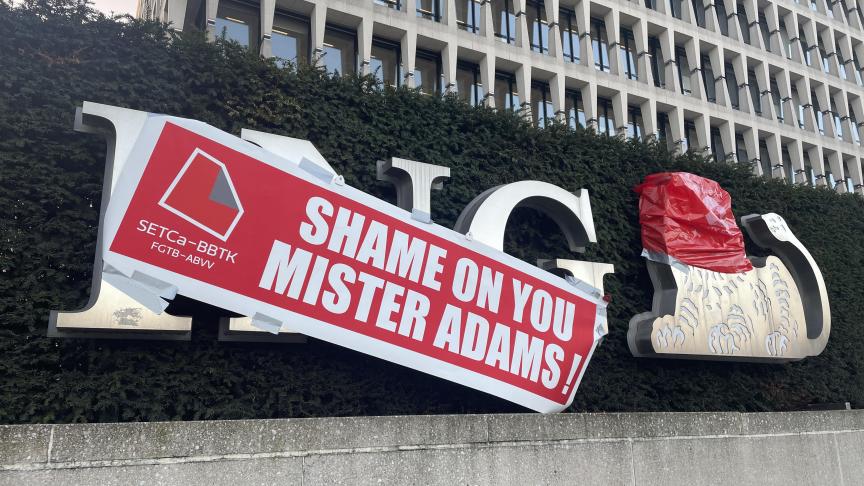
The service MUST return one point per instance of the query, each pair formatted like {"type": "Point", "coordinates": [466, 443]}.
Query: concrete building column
{"type": "Point", "coordinates": [640, 35]}
{"type": "Point", "coordinates": [825, 104]}
{"type": "Point", "coordinates": [752, 12]}
{"type": "Point", "coordinates": [268, 10]}
{"type": "Point", "coordinates": [751, 145]}
{"type": "Point", "coordinates": [449, 60]}
{"type": "Point", "coordinates": [786, 100]}
{"type": "Point", "coordinates": [613, 36]}
{"type": "Point", "coordinates": [718, 65]}
{"type": "Point", "coordinates": [211, 8]}
{"type": "Point", "coordinates": [814, 154]}
{"type": "Point", "coordinates": [667, 46]}
{"type": "Point", "coordinates": [812, 41]}
{"type": "Point", "coordinates": [177, 14]}
{"type": "Point", "coordinates": [557, 91]}
{"type": "Point", "coordinates": [727, 137]}
{"type": "Point", "coordinates": [676, 125]}
{"type": "Point", "coordinates": [648, 108]}
{"type": "Point", "coordinates": [844, 49]}
{"type": "Point", "coordinates": [589, 104]}
{"type": "Point", "coordinates": [857, 179]}
{"type": "Point", "coordinates": [619, 111]}
{"type": "Point", "coordinates": [487, 77]}
{"type": "Point", "coordinates": [703, 134]}
{"type": "Point", "coordinates": [827, 38]}
{"type": "Point", "coordinates": [448, 14]}
{"type": "Point", "coordinates": [523, 86]}
{"type": "Point", "coordinates": [317, 26]}
{"type": "Point", "coordinates": [487, 28]}
{"type": "Point", "coordinates": [771, 18]}
{"type": "Point", "coordinates": [745, 102]}
{"type": "Point", "coordinates": [583, 21]}
{"type": "Point", "coordinates": [857, 105]}
{"type": "Point", "coordinates": [842, 104]}
{"type": "Point", "coordinates": [552, 13]}
{"type": "Point", "coordinates": [775, 155]}
{"type": "Point", "coordinates": [852, 14]}
{"type": "Point", "coordinates": [791, 20]}
{"type": "Point", "coordinates": [364, 45]}
{"type": "Point", "coordinates": [694, 58]}
{"type": "Point", "coordinates": [835, 163]}
{"type": "Point", "coordinates": [803, 87]}
{"type": "Point", "coordinates": [762, 78]}
{"type": "Point", "coordinates": [409, 55]}
{"type": "Point", "coordinates": [523, 36]}
{"type": "Point", "coordinates": [796, 156]}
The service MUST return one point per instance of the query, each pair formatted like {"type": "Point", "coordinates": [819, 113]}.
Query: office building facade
{"type": "Point", "coordinates": [777, 84]}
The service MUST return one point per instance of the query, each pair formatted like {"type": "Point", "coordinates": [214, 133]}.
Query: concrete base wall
{"type": "Point", "coordinates": [605, 449]}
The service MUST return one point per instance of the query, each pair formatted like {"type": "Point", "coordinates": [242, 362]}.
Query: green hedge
{"type": "Point", "coordinates": [54, 56]}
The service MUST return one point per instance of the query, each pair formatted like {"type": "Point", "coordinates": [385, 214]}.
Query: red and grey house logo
{"type": "Point", "coordinates": [203, 194]}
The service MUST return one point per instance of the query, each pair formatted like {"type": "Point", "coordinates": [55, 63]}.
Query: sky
{"type": "Point", "coordinates": [116, 6]}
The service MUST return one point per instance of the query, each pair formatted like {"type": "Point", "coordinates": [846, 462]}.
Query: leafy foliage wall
{"type": "Point", "coordinates": [55, 55]}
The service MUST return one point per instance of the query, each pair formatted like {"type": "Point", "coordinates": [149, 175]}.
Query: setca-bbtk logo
{"type": "Point", "coordinates": [204, 195]}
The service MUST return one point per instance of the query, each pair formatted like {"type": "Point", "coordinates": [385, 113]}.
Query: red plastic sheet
{"type": "Point", "coordinates": [689, 218]}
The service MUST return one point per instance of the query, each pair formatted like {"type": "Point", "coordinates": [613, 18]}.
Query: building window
{"type": "Point", "coordinates": [541, 104]}
{"type": "Point", "coordinates": [569, 35]}
{"type": "Point", "coordinates": [238, 22]}
{"type": "Point", "coordinates": [841, 64]}
{"type": "Point", "coordinates": [766, 34]}
{"type": "Point", "coordinates": [429, 9]}
{"type": "Point", "coordinates": [394, 4]}
{"type": "Point", "coordinates": [427, 72]}
{"type": "Point", "coordinates": [857, 67]}
{"type": "Point", "coordinates": [854, 125]}
{"type": "Point", "coordinates": [605, 117]}
{"type": "Point", "coordinates": [683, 70]}
{"type": "Point", "coordinates": [504, 20]}
{"type": "Point", "coordinates": [690, 138]}
{"type": "Point", "coordinates": [731, 85]}
{"type": "Point", "coordinates": [290, 39]}
{"type": "Point", "coordinates": [755, 94]}
{"type": "Point", "coordinates": [652, 4]}
{"type": "Point", "coordinates": [635, 128]}
{"type": "Point", "coordinates": [675, 8]}
{"type": "Point", "coordinates": [786, 43]}
{"type": "Point", "coordinates": [628, 54]}
{"type": "Point", "coordinates": [663, 127]}
{"type": "Point", "coordinates": [708, 79]}
{"type": "Point", "coordinates": [777, 99]}
{"type": "Point", "coordinates": [717, 150]}
{"type": "Point", "coordinates": [699, 12]}
{"type": "Point", "coordinates": [340, 50]}
{"type": "Point", "coordinates": [817, 112]}
{"type": "Point", "coordinates": [743, 23]}
{"type": "Point", "coordinates": [788, 174]}
{"type": "Point", "coordinates": [722, 17]}
{"type": "Point", "coordinates": [468, 83]}
{"type": "Point", "coordinates": [797, 100]}
{"type": "Point", "coordinates": [385, 63]}
{"type": "Point", "coordinates": [823, 56]}
{"type": "Point", "coordinates": [838, 122]}
{"type": "Point", "coordinates": [600, 45]}
{"type": "Point", "coordinates": [765, 160]}
{"type": "Point", "coordinates": [804, 47]}
{"type": "Point", "coordinates": [740, 149]}
{"type": "Point", "coordinates": [574, 108]}
{"type": "Point", "coordinates": [468, 15]}
{"type": "Point", "coordinates": [539, 27]}
{"type": "Point", "coordinates": [658, 65]}
{"type": "Point", "coordinates": [506, 95]}
{"type": "Point", "coordinates": [810, 174]}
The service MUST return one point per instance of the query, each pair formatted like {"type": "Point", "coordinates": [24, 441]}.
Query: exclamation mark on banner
{"type": "Point", "coordinates": [577, 358]}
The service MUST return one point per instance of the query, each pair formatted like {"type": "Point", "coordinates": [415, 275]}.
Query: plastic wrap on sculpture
{"type": "Point", "coordinates": [688, 218]}
{"type": "Point", "coordinates": [713, 302]}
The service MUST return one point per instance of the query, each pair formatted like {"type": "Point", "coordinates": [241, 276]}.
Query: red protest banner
{"type": "Point", "coordinates": [235, 226]}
